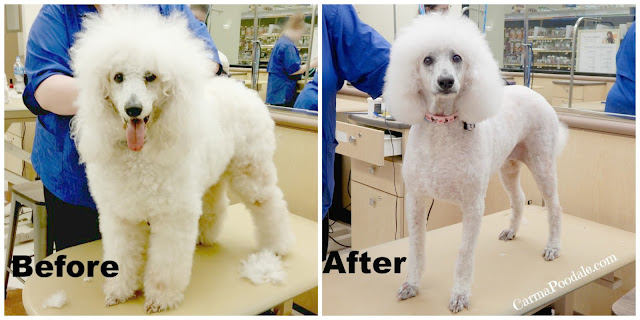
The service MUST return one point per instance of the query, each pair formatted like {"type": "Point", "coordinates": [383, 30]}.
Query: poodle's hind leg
{"type": "Point", "coordinates": [544, 172]}
{"type": "Point", "coordinates": [463, 275]}
{"type": "Point", "coordinates": [214, 209]}
{"type": "Point", "coordinates": [170, 255]}
{"type": "Point", "coordinates": [255, 181]}
{"type": "Point", "coordinates": [510, 177]}
{"type": "Point", "coordinates": [415, 208]}
{"type": "Point", "coordinates": [124, 242]}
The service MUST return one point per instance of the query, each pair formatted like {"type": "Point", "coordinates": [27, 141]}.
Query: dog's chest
{"type": "Point", "coordinates": [442, 161]}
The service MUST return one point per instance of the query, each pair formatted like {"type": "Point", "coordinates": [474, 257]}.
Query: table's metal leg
{"type": "Point", "coordinates": [40, 245]}
{"type": "Point", "coordinates": [13, 226]}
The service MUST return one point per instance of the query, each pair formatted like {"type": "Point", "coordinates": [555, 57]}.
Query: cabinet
{"type": "Point", "coordinates": [583, 91]}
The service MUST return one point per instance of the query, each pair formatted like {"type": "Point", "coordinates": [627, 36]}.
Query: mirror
{"type": "Point", "coordinates": [235, 29]}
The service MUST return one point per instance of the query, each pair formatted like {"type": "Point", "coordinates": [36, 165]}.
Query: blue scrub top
{"type": "Point", "coordinates": [55, 157]}
{"type": "Point", "coordinates": [622, 96]}
{"type": "Point", "coordinates": [284, 60]}
{"type": "Point", "coordinates": [308, 98]}
{"type": "Point", "coordinates": [352, 51]}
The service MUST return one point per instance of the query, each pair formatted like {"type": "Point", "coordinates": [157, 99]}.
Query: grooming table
{"type": "Point", "coordinates": [503, 271]}
{"type": "Point", "coordinates": [216, 286]}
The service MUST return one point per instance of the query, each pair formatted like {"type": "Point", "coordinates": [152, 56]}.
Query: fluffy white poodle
{"type": "Point", "coordinates": [466, 125]}
{"type": "Point", "coordinates": [161, 139]}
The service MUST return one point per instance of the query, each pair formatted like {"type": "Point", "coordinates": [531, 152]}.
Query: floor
{"type": "Point", "coordinates": [340, 237]}
{"type": "Point", "coordinates": [24, 232]}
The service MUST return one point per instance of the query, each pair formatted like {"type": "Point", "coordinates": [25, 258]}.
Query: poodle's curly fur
{"type": "Point", "coordinates": [199, 134]}
{"type": "Point", "coordinates": [513, 125]}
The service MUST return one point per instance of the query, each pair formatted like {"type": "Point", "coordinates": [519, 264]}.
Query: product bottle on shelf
{"type": "Point", "coordinates": [18, 74]}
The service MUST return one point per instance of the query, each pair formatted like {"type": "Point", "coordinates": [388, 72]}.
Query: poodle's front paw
{"type": "Point", "coordinates": [407, 291]}
{"type": "Point", "coordinates": [458, 302]}
{"type": "Point", "coordinates": [507, 234]}
{"type": "Point", "coordinates": [282, 245]}
{"type": "Point", "coordinates": [551, 253]}
{"type": "Point", "coordinates": [206, 239]}
{"type": "Point", "coordinates": [162, 302]}
{"type": "Point", "coordinates": [116, 292]}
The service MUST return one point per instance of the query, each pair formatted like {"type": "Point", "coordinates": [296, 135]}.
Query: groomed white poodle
{"type": "Point", "coordinates": [161, 139]}
{"type": "Point", "coordinates": [466, 125]}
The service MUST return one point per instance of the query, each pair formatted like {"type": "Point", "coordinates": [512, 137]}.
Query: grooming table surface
{"type": "Point", "coordinates": [216, 286]}
{"type": "Point", "coordinates": [504, 271]}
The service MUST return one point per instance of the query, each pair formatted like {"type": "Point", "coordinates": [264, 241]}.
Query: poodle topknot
{"type": "Point", "coordinates": [406, 90]}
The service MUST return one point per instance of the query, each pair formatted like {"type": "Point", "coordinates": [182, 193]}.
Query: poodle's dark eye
{"type": "Point", "coordinates": [428, 61]}
{"type": "Point", "coordinates": [119, 77]}
{"type": "Point", "coordinates": [456, 58]}
{"type": "Point", "coordinates": [149, 77]}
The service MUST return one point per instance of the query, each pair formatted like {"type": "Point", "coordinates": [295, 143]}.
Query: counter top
{"type": "Point", "coordinates": [363, 118]}
{"type": "Point", "coordinates": [580, 82]}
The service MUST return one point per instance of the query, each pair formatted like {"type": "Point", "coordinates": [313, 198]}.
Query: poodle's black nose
{"type": "Point", "coordinates": [133, 110]}
{"type": "Point", "coordinates": [445, 82]}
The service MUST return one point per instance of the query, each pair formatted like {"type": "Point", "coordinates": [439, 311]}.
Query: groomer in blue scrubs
{"type": "Point", "coordinates": [622, 96]}
{"type": "Point", "coordinates": [352, 51]}
{"type": "Point", "coordinates": [284, 64]}
{"type": "Point", "coordinates": [308, 98]}
{"type": "Point", "coordinates": [50, 93]}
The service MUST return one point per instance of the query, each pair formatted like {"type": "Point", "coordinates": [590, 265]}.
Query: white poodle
{"type": "Point", "coordinates": [161, 139]}
{"type": "Point", "coordinates": [466, 126]}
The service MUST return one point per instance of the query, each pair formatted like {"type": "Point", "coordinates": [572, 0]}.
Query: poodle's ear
{"type": "Point", "coordinates": [480, 95]}
{"type": "Point", "coordinates": [403, 93]}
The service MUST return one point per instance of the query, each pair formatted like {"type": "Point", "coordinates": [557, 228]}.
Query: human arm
{"type": "Point", "coordinates": [199, 29]}
{"type": "Point", "coordinates": [51, 87]}
{"type": "Point", "coordinates": [360, 53]}
{"type": "Point", "coordinates": [305, 67]}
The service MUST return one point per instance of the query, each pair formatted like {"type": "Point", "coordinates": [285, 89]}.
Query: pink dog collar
{"type": "Point", "coordinates": [440, 119]}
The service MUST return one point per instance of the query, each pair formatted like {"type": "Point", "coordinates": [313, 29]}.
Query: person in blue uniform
{"type": "Point", "coordinates": [284, 64]}
{"type": "Point", "coordinates": [622, 96]}
{"type": "Point", "coordinates": [352, 51]}
{"type": "Point", "coordinates": [308, 98]}
{"type": "Point", "coordinates": [72, 213]}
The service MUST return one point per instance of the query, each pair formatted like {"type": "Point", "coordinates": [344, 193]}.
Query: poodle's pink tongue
{"type": "Point", "coordinates": [136, 130]}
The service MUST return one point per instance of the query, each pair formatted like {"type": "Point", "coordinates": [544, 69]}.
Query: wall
{"type": "Point", "coordinates": [380, 17]}
{"type": "Point", "coordinates": [227, 40]}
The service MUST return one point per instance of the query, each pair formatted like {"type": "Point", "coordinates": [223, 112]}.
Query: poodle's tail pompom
{"type": "Point", "coordinates": [407, 95]}
{"type": "Point", "coordinates": [563, 136]}
{"type": "Point", "coordinates": [264, 267]}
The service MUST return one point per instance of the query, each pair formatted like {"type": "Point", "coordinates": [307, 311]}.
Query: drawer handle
{"type": "Point", "coordinates": [352, 139]}
{"type": "Point", "coordinates": [372, 169]}
{"type": "Point", "coordinates": [372, 202]}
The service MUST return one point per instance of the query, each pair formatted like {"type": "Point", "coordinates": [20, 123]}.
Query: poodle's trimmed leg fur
{"type": "Point", "coordinates": [214, 209]}
{"type": "Point", "coordinates": [124, 242]}
{"type": "Point", "coordinates": [510, 177]}
{"type": "Point", "coordinates": [544, 172]}
{"type": "Point", "coordinates": [471, 219]}
{"type": "Point", "coordinates": [255, 183]}
{"type": "Point", "coordinates": [415, 208]}
{"type": "Point", "coordinates": [170, 256]}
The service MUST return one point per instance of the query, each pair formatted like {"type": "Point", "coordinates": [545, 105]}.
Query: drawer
{"type": "Point", "coordinates": [562, 91]}
{"type": "Point", "coordinates": [374, 219]}
{"type": "Point", "coordinates": [379, 177]}
{"type": "Point", "coordinates": [563, 102]}
{"type": "Point", "coordinates": [360, 143]}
